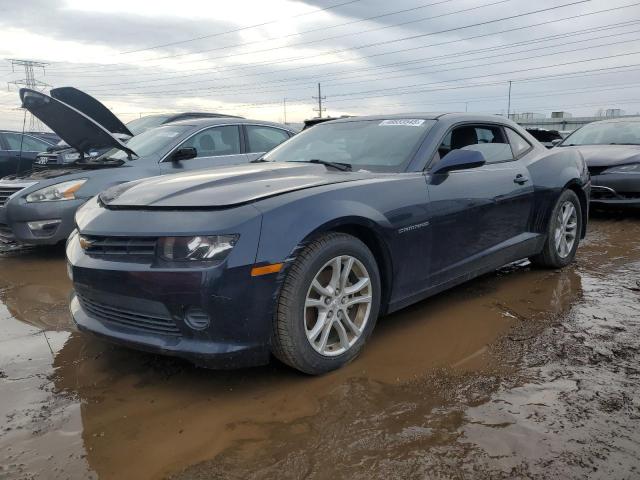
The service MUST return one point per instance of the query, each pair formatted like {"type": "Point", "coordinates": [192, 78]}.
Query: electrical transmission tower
{"type": "Point", "coordinates": [29, 81]}
{"type": "Point", "coordinates": [319, 98]}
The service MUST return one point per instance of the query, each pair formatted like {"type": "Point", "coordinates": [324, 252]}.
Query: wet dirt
{"type": "Point", "coordinates": [523, 373]}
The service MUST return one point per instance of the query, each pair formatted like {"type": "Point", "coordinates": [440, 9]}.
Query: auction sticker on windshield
{"type": "Point", "coordinates": [412, 122]}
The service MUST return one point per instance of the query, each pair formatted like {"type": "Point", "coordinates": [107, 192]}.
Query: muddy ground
{"type": "Point", "coordinates": [523, 373]}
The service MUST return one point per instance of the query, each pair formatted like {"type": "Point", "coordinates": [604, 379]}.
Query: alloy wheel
{"type": "Point", "coordinates": [338, 305]}
{"type": "Point", "coordinates": [566, 229]}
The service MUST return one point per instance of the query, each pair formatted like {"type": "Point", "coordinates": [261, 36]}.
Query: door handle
{"type": "Point", "coordinates": [520, 179]}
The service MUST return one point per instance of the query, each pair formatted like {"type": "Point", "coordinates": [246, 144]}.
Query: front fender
{"type": "Point", "coordinates": [553, 172]}
{"type": "Point", "coordinates": [386, 214]}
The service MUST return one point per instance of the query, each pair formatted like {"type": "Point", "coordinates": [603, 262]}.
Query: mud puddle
{"type": "Point", "coordinates": [519, 373]}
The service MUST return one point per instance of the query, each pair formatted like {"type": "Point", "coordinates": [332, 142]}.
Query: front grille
{"type": "Point", "coordinates": [120, 317]}
{"type": "Point", "coordinates": [6, 192]}
{"type": "Point", "coordinates": [43, 161]}
{"type": "Point", "coordinates": [118, 246]}
{"type": "Point", "coordinates": [6, 235]}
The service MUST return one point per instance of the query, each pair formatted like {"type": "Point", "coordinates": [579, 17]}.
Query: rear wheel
{"type": "Point", "coordinates": [563, 233]}
{"type": "Point", "coordinates": [328, 304]}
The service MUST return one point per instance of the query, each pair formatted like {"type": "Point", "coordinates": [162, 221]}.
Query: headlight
{"type": "Point", "coordinates": [200, 248]}
{"type": "Point", "coordinates": [630, 168]}
{"type": "Point", "coordinates": [57, 192]}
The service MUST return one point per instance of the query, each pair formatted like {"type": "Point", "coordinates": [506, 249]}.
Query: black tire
{"type": "Point", "coordinates": [289, 340]}
{"type": "Point", "coordinates": [549, 257]}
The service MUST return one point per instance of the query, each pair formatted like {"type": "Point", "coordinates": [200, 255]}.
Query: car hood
{"type": "Point", "coordinates": [71, 125]}
{"type": "Point", "coordinates": [225, 186]}
{"type": "Point", "coordinates": [91, 107]}
{"type": "Point", "coordinates": [608, 155]}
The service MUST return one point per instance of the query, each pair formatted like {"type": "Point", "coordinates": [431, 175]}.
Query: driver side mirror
{"type": "Point", "coordinates": [185, 153]}
{"type": "Point", "coordinates": [556, 141]}
{"type": "Point", "coordinates": [459, 160]}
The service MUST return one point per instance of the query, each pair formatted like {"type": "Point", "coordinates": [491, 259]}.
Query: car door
{"type": "Point", "coordinates": [215, 146]}
{"type": "Point", "coordinates": [5, 157]}
{"type": "Point", "coordinates": [262, 138]}
{"type": "Point", "coordinates": [477, 213]}
{"type": "Point", "coordinates": [20, 152]}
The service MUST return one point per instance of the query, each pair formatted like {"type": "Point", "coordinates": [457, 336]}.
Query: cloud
{"type": "Point", "coordinates": [409, 61]}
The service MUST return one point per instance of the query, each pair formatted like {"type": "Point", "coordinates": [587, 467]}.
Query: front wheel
{"type": "Point", "coordinates": [563, 233]}
{"type": "Point", "coordinates": [328, 304]}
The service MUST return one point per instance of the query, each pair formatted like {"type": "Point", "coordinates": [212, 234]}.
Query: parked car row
{"type": "Point", "coordinates": [294, 245]}
{"type": "Point", "coordinates": [38, 207]}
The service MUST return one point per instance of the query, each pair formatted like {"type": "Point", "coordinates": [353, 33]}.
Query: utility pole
{"type": "Point", "coordinates": [284, 104]}
{"type": "Point", "coordinates": [29, 81]}
{"type": "Point", "coordinates": [466, 106]}
{"type": "Point", "coordinates": [319, 98]}
{"type": "Point", "coordinates": [509, 103]}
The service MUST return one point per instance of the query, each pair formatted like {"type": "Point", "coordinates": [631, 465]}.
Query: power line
{"type": "Point", "coordinates": [311, 42]}
{"type": "Point", "coordinates": [212, 35]}
{"type": "Point", "coordinates": [410, 37]}
{"type": "Point", "coordinates": [545, 38]}
{"type": "Point", "coordinates": [324, 29]}
{"type": "Point", "coordinates": [565, 75]}
{"type": "Point", "coordinates": [573, 91]}
{"type": "Point", "coordinates": [555, 65]}
{"type": "Point", "coordinates": [387, 42]}
{"type": "Point", "coordinates": [402, 51]}
{"type": "Point", "coordinates": [342, 84]}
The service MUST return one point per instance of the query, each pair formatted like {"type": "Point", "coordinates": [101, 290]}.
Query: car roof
{"type": "Point", "coordinates": [172, 117]}
{"type": "Point", "coordinates": [46, 136]}
{"type": "Point", "coordinates": [452, 117]}
{"type": "Point", "coordinates": [206, 121]}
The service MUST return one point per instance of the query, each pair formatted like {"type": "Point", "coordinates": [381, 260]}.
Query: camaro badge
{"type": "Point", "coordinates": [413, 227]}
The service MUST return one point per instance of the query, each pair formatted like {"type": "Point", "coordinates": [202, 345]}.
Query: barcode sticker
{"type": "Point", "coordinates": [409, 122]}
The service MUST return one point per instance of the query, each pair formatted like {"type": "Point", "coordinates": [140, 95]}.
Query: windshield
{"type": "Point", "coordinates": [376, 145]}
{"type": "Point", "coordinates": [149, 142]}
{"type": "Point", "coordinates": [613, 133]}
{"type": "Point", "coordinates": [143, 124]}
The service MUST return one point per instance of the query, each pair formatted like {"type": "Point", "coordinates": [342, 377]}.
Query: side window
{"type": "Point", "coordinates": [519, 144]}
{"type": "Point", "coordinates": [215, 141]}
{"type": "Point", "coordinates": [29, 144]}
{"type": "Point", "coordinates": [487, 139]}
{"type": "Point", "coordinates": [263, 139]}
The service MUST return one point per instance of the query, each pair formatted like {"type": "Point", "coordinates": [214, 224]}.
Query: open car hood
{"type": "Point", "coordinates": [224, 186]}
{"type": "Point", "coordinates": [91, 107]}
{"type": "Point", "coordinates": [74, 127]}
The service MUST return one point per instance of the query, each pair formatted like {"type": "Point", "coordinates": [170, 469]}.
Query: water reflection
{"type": "Point", "coordinates": [136, 415]}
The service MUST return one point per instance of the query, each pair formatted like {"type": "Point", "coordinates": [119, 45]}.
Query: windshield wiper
{"type": "Point", "coordinates": [259, 160]}
{"type": "Point", "coordinates": [345, 167]}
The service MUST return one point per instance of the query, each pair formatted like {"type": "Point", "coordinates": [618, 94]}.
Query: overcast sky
{"type": "Point", "coordinates": [371, 56]}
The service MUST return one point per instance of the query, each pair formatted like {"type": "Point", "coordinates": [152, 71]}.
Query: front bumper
{"type": "Point", "coordinates": [203, 352]}
{"type": "Point", "coordinates": [616, 190]}
{"type": "Point", "coordinates": [144, 303]}
{"type": "Point", "coordinates": [16, 215]}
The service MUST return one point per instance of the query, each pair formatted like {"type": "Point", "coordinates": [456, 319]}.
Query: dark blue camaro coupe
{"type": "Point", "coordinates": [298, 253]}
